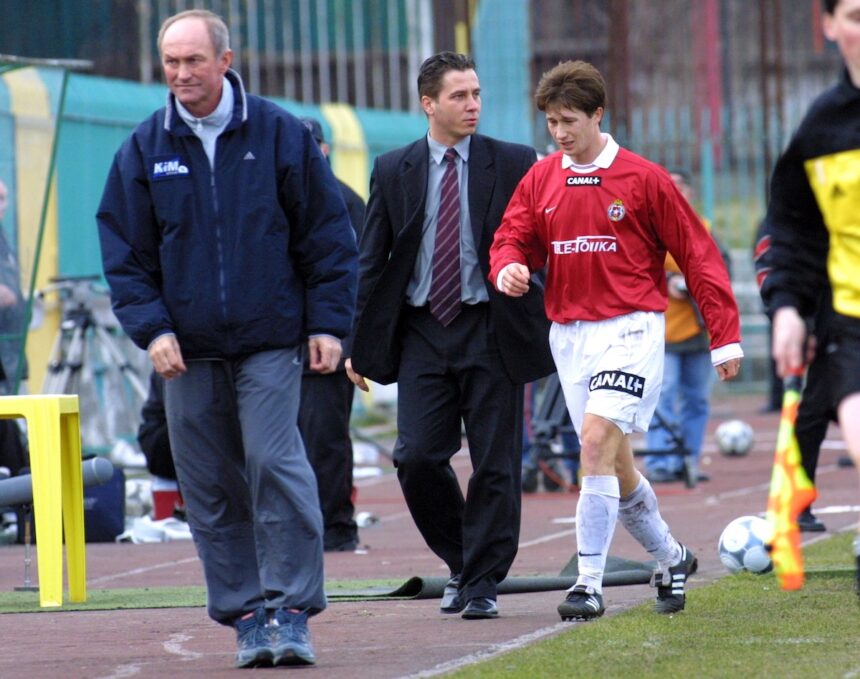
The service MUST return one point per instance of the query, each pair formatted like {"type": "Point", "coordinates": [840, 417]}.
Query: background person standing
{"type": "Point", "coordinates": [685, 394]}
{"type": "Point", "coordinates": [324, 413]}
{"type": "Point", "coordinates": [12, 305]}
{"type": "Point", "coordinates": [13, 453]}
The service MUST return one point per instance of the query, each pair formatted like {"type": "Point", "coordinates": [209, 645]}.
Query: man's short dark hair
{"type": "Point", "coordinates": [315, 128]}
{"type": "Point", "coordinates": [434, 69]}
{"type": "Point", "coordinates": [829, 5]}
{"type": "Point", "coordinates": [572, 85]}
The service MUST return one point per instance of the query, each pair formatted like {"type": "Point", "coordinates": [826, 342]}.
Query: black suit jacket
{"type": "Point", "coordinates": [390, 244]}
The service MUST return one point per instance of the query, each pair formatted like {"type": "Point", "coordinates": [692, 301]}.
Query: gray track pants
{"type": "Point", "coordinates": [249, 490]}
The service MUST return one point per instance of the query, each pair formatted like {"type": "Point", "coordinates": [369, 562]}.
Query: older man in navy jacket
{"type": "Point", "coordinates": [227, 246]}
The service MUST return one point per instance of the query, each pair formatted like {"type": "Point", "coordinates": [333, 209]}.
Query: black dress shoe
{"type": "Point", "coordinates": [347, 546]}
{"type": "Point", "coordinates": [807, 523]}
{"type": "Point", "coordinates": [481, 608]}
{"type": "Point", "coordinates": [452, 602]}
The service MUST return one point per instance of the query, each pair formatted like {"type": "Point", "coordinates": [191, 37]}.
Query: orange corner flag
{"type": "Point", "coordinates": [791, 492]}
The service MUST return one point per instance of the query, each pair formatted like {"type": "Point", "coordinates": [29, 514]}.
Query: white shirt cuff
{"type": "Point", "coordinates": [158, 337]}
{"type": "Point", "coordinates": [726, 353]}
{"type": "Point", "coordinates": [499, 277]}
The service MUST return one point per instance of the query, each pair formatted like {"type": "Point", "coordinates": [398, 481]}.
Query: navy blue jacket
{"type": "Point", "coordinates": [257, 255]}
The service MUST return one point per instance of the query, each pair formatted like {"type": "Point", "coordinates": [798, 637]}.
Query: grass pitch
{"type": "Point", "coordinates": [740, 626]}
{"type": "Point", "coordinates": [108, 599]}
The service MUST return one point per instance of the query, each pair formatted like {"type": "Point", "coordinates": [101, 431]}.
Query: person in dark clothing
{"type": "Point", "coordinates": [812, 222]}
{"type": "Point", "coordinates": [13, 454]}
{"type": "Point", "coordinates": [324, 412]}
{"type": "Point", "coordinates": [815, 412]}
{"type": "Point", "coordinates": [154, 442]}
{"type": "Point", "coordinates": [817, 409]}
{"type": "Point", "coordinates": [428, 318]}
{"type": "Point", "coordinates": [227, 248]}
{"type": "Point", "coordinates": [152, 433]}
{"type": "Point", "coordinates": [12, 308]}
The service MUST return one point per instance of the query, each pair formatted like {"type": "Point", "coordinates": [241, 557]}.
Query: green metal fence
{"type": "Point", "coordinates": [731, 173]}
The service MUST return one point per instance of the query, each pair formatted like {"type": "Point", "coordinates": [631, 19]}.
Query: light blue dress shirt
{"type": "Point", "coordinates": [472, 286]}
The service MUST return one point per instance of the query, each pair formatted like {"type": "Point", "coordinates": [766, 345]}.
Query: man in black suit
{"type": "Point", "coordinates": [458, 349]}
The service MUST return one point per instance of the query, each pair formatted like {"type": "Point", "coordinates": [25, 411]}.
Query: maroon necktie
{"type": "Point", "coordinates": [445, 285]}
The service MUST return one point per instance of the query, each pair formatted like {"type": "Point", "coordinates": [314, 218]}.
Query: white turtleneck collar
{"type": "Point", "coordinates": [209, 127]}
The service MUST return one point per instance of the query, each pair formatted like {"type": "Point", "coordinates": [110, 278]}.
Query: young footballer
{"type": "Point", "coordinates": [601, 220]}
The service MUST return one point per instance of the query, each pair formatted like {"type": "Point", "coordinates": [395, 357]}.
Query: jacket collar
{"type": "Point", "coordinates": [846, 82]}
{"type": "Point", "coordinates": [173, 121]}
{"type": "Point", "coordinates": [437, 150]}
{"type": "Point", "coordinates": [481, 180]}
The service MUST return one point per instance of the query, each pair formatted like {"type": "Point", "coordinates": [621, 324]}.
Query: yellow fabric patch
{"type": "Point", "coordinates": [835, 181]}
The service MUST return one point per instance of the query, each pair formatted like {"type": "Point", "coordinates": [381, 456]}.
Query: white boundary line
{"type": "Point", "coordinates": [123, 671]}
{"type": "Point", "coordinates": [138, 571]}
{"type": "Point", "coordinates": [490, 651]}
{"type": "Point", "coordinates": [548, 538]}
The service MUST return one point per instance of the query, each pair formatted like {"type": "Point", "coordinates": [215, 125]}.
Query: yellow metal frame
{"type": "Point", "coordinates": [54, 432]}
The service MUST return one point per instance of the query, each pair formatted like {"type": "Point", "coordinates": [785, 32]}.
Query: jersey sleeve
{"type": "Point", "coordinates": [688, 240]}
{"type": "Point", "coordinates": [517, 240]}
{"type": "Point", "coordinates": [797, 238]}
{"type": "Point", "coordinates": [129, 236]}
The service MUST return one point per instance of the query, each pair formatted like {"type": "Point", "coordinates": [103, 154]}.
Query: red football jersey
{"type": "Point", "coordinates": [603, 237]}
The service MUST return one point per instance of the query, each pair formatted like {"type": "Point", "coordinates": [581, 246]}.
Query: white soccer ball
{"type": "Point", "coordinates": [734, 438]}
{"type": "Point", "coordinates": [742, 545]}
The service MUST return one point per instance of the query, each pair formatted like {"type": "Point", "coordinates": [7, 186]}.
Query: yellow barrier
{"type": "Point", "coordinates": [54, 433]}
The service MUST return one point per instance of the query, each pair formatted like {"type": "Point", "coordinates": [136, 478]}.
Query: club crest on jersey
{"type": "Point", "coordinates": [167, 167]}
{"type": "Point", "coordinates": [616, 380]}
{"type": "Point", "coordinates": [616, 210]}
{"type": "Point", "coordinates": [582, 181]}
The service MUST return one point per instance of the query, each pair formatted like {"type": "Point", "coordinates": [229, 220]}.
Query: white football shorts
{"type": "Point", "coordinates": [611, 368]}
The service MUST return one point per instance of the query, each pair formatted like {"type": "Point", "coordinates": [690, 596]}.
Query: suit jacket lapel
{"type": "Point", "coordinates": [482, 179]}
{"type": "Point", "coordinates": [414, 182]}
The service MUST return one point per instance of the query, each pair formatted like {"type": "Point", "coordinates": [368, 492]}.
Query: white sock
{"type": "Point", "coordinates": [857, 546]}
{"type": "Point", "coordinates": [596, 513]}
{"type": "Point", "coordinates": [640, 515]}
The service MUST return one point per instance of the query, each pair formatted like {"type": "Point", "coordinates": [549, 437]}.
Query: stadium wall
{"type": "Point", "coordinates": [98, 114]}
